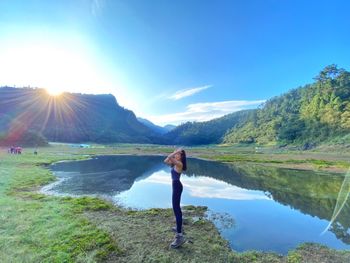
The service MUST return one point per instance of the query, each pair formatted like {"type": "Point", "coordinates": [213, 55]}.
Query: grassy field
{"type": "Point", "coordinates": [39, 228]}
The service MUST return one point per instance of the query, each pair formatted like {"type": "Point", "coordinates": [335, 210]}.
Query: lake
{"type": "Point", "coordinates": [268, 209]}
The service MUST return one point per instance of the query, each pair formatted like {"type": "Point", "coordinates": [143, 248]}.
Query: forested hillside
{"type": "Point", "coordinates": [67, 118]}
{"type": "Point", "coordinates": [307, 115]}
{"type": "Point", "coordinates": [209, 132]}
{"type": "Point", "coordinates": [311, 114]}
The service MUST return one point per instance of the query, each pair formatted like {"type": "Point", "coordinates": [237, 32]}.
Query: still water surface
{"type": "Point", "coordinates": [273, 209]}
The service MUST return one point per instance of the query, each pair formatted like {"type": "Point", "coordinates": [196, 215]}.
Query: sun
{"type": "Point", "coordinates": [56, 65]}
{"type": "Point", "coordinates": [54, 92]}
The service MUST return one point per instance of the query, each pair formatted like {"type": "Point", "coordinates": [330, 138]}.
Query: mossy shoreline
{"type": "Point", "coordinates": [39, 228]}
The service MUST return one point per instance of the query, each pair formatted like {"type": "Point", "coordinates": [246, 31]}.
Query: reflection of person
{"type": "Point", "coordinates": [177, 160]}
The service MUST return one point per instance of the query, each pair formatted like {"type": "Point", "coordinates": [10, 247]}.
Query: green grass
{"type": "Point", "coordinates": [38, 228]}
{"type": "Point", "coordinates": [275, 159]}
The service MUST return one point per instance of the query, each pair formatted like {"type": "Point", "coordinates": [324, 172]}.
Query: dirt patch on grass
{"type": "Point", "coordinates": [144, 236]}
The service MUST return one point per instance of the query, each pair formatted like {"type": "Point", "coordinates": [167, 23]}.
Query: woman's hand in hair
{"type": "Point", "coordinates": [170, 159]}
{"type": "Point", "coordinates": [178, 150]}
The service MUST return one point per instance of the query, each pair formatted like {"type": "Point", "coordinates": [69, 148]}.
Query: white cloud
{"type": "Point", "coordinates": [188, 92]}
{"type": "Point", "coordinates": [206, 187]}
{"type": "Point", "coordinates": [205, 111]}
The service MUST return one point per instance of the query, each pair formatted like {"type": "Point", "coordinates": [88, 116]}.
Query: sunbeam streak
{"type": "Point", "coordinates": [341, 200]}
{"type": "Point", "coordinates": [40, 110]}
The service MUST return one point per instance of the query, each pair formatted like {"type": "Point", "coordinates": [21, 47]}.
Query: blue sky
{"type": "Point", "coordinates": [172, 61]}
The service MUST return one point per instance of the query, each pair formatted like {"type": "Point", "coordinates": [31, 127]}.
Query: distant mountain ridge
{"type": "Point", "coordinates": [69, 118]}
{"type": "Point", "coordinates": [209, 132]}
{"type": "Point", "coordinates": [156, 128]}
{"type": "Point", "coordinates": [169, 127]}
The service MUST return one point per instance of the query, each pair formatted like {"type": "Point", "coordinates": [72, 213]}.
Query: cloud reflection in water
{"type": "Point", "coordinates": [206, 187]}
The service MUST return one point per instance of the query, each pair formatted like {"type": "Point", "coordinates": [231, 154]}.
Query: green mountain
{"type": "Point", "coordinates": [312, 114]}
{"type": "Point", "coordinates": [209, 132]}
{"type": "Point", "coordinates": [67, 118]}
{"type": "Point", "coordinates": [308, 115]}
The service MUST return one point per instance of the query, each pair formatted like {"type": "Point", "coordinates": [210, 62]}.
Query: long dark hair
{"type": "Point", "coordinates": [183, 160]}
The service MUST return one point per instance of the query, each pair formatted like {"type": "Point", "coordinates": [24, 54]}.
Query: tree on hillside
{"type": "Point", "coordinates": [329, 73]}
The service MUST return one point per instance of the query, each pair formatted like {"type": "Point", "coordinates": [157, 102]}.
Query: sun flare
{"type": "Point", "coordinates": [54, 65]}
{"type": "Point", "coordinates": [54, 92]}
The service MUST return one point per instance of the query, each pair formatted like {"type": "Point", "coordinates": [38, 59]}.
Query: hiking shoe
{"type": "Point", "coordinates": [174, 229]}
{"type": "Point", "coordinates": [178, 241]}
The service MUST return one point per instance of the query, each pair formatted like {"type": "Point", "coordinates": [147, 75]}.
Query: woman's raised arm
{"type": "Point", "coordinates": [171, 157]}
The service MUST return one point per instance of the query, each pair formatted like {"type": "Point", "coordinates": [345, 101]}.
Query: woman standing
{"type": "Point", "coordinates": [177, 161]}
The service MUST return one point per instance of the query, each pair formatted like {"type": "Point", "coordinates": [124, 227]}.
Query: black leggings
{"type": "Point", "coordinates": [177, 191]}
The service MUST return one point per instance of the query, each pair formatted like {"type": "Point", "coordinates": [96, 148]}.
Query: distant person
{"type": "Point", "coordinates": [177, 161]}
{"type": "Point", "coordinates": [12, 149]}
{"type": "Point", "coordinates": [18, 150]}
